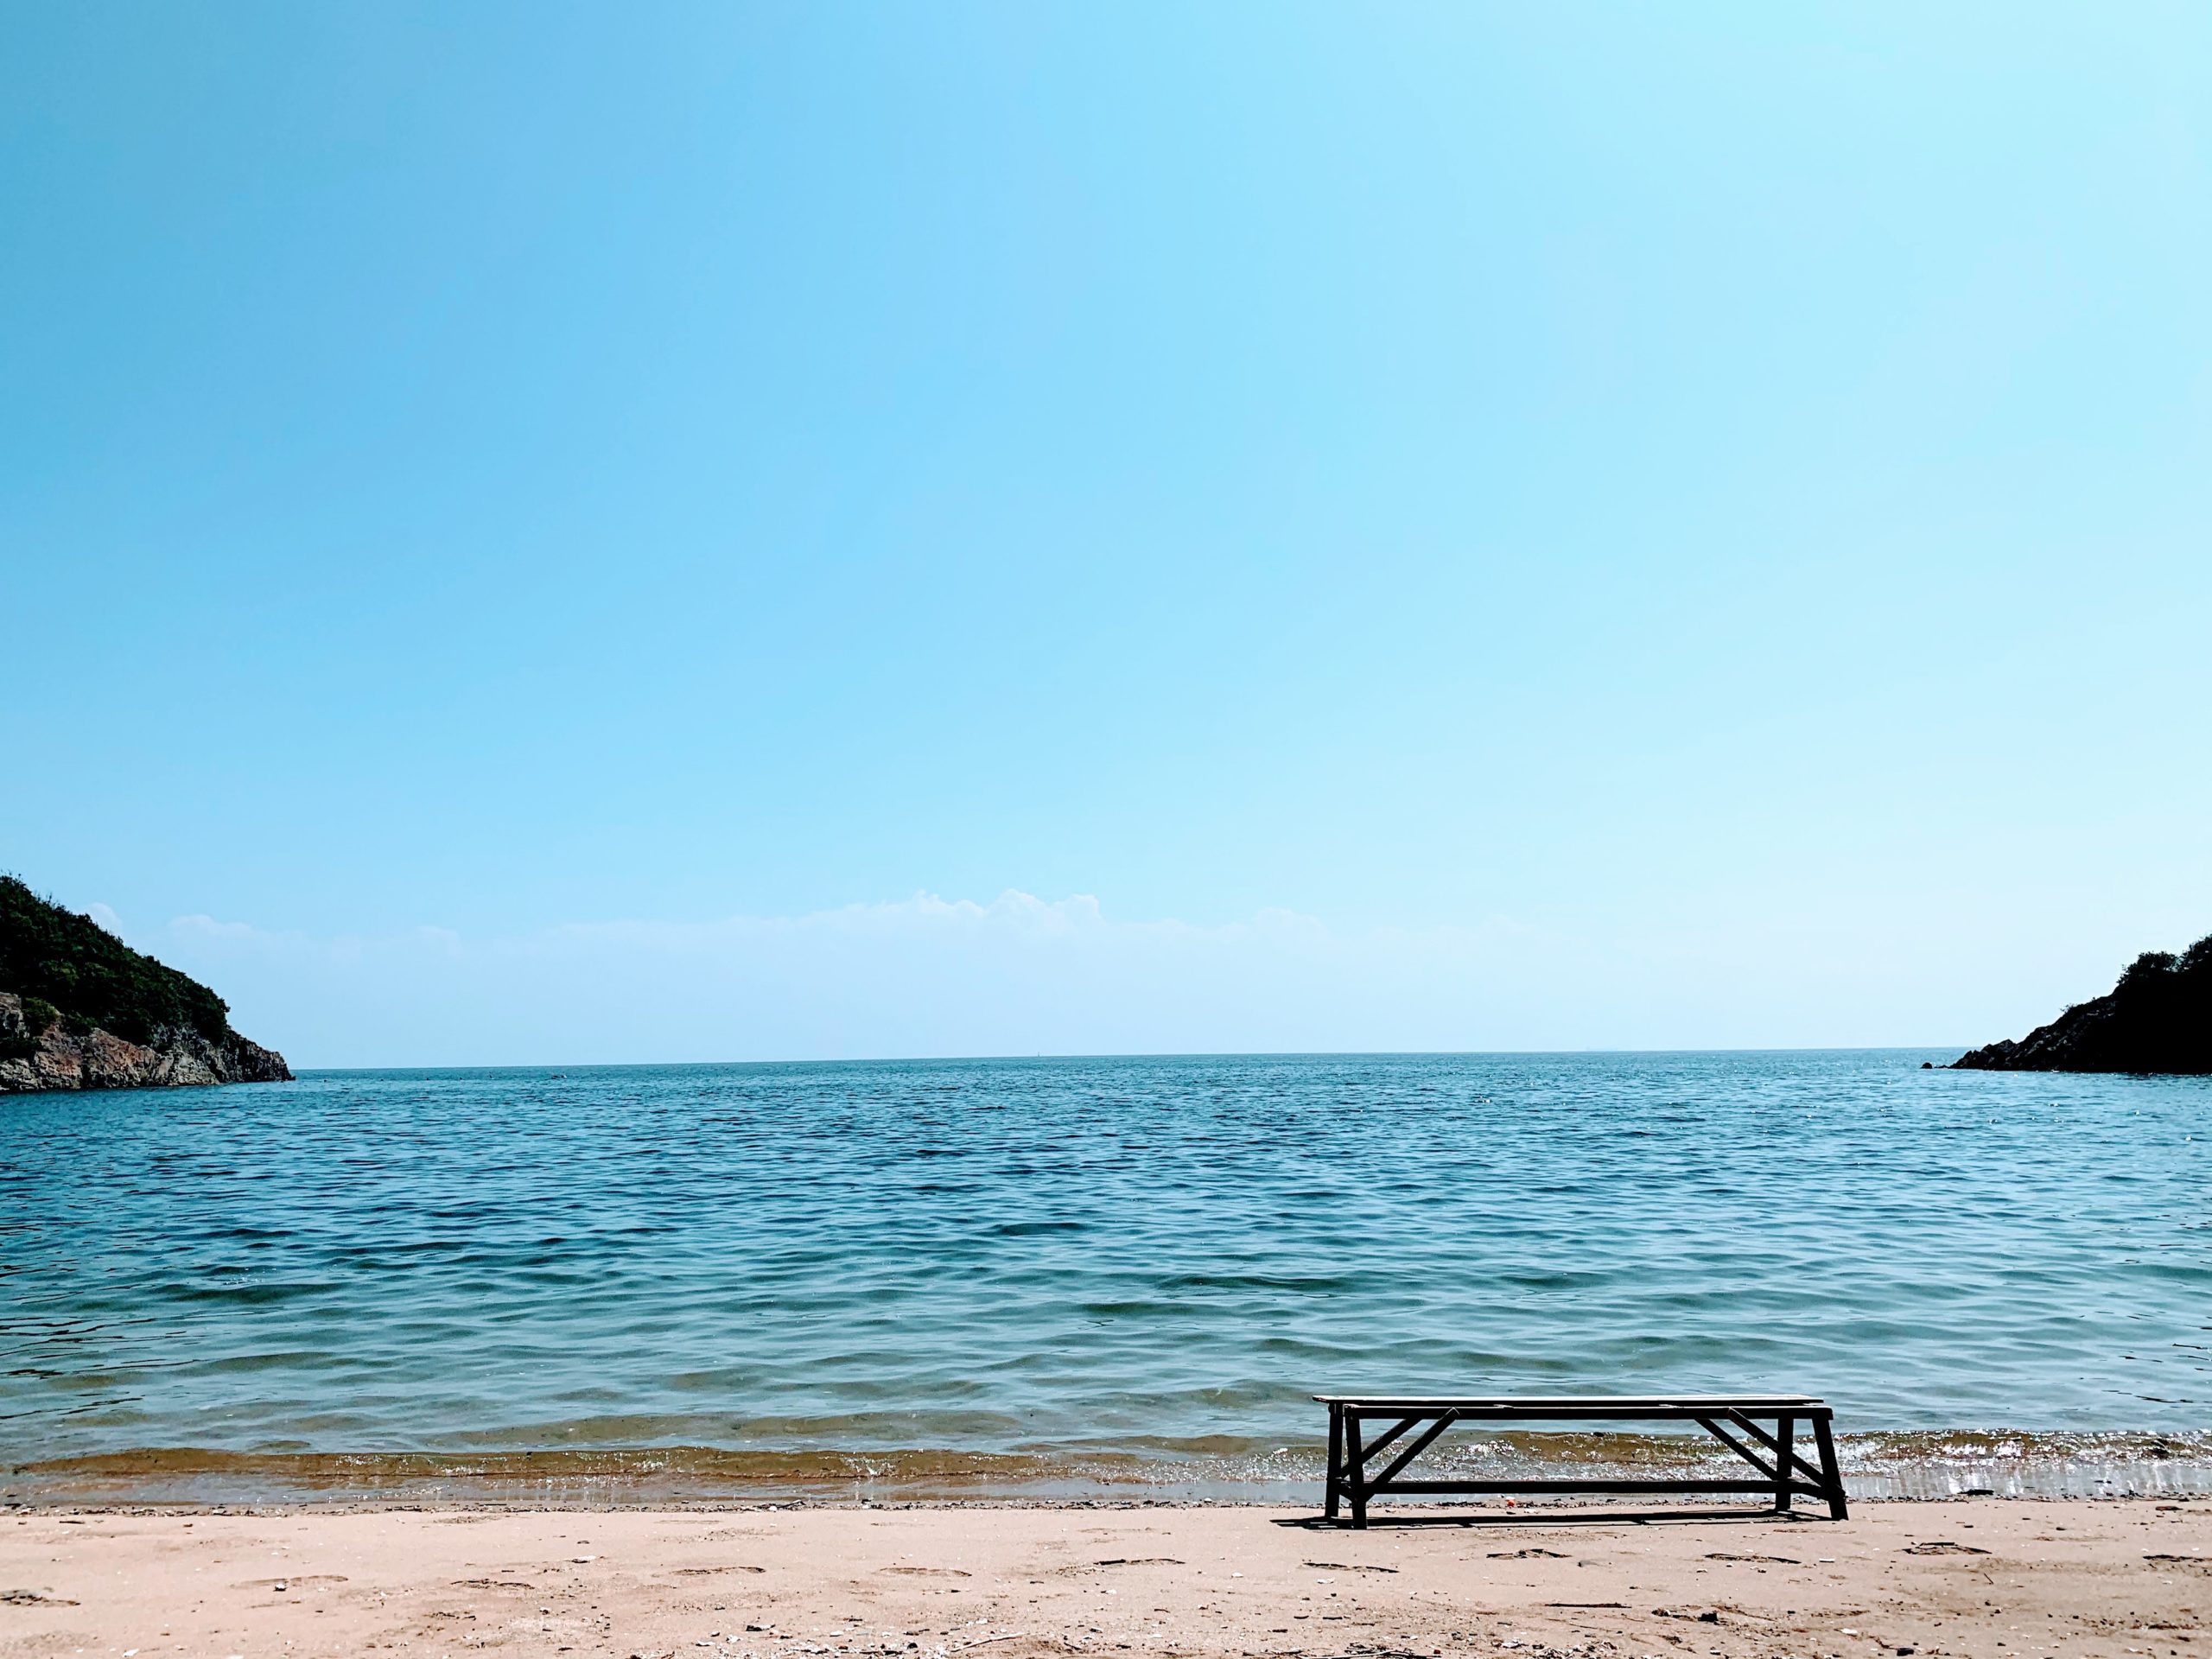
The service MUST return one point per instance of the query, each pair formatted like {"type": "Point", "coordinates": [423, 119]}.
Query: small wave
{"type": "Point", "coordinates": [1920, 1465]}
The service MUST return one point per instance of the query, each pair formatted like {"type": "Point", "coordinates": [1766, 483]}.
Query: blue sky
{"type": "Point", "coordinates": [813, 530]}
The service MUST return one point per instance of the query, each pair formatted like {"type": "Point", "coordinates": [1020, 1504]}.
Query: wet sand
{"type": "Point", "coordinates": [1986, 1577]}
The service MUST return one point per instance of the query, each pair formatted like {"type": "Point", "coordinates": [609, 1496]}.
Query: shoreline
{"type": "Point", "coordinates": [1563, 1510]}
{"type": "Point", "coordinates": [1879, 1467]}
{"type": "Point", "coordinates": [821, 1582]}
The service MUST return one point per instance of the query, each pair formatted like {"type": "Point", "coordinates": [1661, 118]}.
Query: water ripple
{"type": "Point", "coordinates": [1102, 1257]}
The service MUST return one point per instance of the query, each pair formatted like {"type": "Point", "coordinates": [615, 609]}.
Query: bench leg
{"type": "Point", "coordinates": [1329, 1507]}
{"type": "Point", "coordinates": [1785, 1432]}
{"type": "Point", "coordinates": [1831, 1471]}
{"type": "Point", "coordinates": [1355, 1470]}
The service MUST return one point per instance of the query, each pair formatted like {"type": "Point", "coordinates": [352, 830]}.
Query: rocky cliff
{"type": "Point", "coordinates": [80, 1009]}
{"type": "Point", "coordinates": [2158, 1018]}
{"type": "Point", "coordinates": [88, 1058]}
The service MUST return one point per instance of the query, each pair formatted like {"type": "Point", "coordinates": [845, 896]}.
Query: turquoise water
{"type": "Point", "coordinates": [1084, 1264]}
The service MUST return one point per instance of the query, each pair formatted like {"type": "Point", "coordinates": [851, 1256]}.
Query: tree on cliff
{"type": "Point", "coordinates": [70, 967]}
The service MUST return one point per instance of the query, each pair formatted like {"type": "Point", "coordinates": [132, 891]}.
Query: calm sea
{"type": "Point", "coordinates": [1060, 1275]}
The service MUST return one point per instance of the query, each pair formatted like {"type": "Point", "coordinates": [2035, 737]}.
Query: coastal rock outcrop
{"type": "Point", "coordinates": [2158, 1018]}
{"type": "Point", "coordinates": [80, 1009]}
{"type": "Point", "coordinates": [88, 1058]}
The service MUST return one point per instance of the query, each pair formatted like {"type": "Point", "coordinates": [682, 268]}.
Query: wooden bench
{"type": "Point", "coordinates": [1731, 1419]}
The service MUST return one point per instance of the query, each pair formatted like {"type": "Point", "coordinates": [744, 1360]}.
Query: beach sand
{"type": "Point", "coordinates": [1986, 1577]}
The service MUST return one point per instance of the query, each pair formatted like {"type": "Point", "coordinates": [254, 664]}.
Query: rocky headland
{"type": "Point", "coordinates": [2158, 1018]}
{"type": "Point", "coordinates": [80, 1009]}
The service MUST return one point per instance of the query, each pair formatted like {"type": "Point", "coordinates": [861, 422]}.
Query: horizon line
{"type": "Point", "coordinates": [1192, 1054]}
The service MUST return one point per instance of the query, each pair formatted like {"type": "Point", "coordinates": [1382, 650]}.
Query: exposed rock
{"type": "Point", "coordinates": [88, 1058]}
{"type": "Point", "coordinates": [2158, 1018]}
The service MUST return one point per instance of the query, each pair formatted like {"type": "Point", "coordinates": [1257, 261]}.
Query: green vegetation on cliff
{"type": "Point", "coordinates": [68, 967]}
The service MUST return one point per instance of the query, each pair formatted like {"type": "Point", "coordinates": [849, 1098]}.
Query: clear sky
{"type": "Point", "coordinates": [536, 532]}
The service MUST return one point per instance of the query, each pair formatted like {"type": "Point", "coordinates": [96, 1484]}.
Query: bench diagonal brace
{"type": "Point", "coordinates": [1359, 1463]}
{"type": "Point", "coordinates": [1796, 1461]}
{"type": "Point", "coordinates": [1738, 1447]}
{"type": "Point", "coordinates": [1421, 1445]}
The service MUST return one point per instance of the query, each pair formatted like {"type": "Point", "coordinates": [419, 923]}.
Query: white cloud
{"type": "Point", "coordinates": [206, 927]}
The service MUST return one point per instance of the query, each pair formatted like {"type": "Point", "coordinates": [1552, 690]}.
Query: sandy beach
{"type": "Point", "coordinates": [1987, 1577]}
